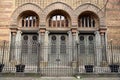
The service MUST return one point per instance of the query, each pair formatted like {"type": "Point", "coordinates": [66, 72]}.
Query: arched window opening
{"type": "Point", "coordinates": [58, 21]}
{"type": "Point", "coordinates": [29, 19]}
{"type": "Point", "coordinates": [87, 20]}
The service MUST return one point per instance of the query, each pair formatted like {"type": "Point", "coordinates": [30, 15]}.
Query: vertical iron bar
{"type": "Point", "coordinates": [77, 60]}
{"type": "Point", "coordinates": [38, 64]}
{"type": "Point", "coordinates": [21, 56]}
{"type": "Point", "coordinates": [111, 50]}
{"type": "Point", "coordinates": [3, 51]}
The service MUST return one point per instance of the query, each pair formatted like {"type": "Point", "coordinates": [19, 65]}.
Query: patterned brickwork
{"type": "Point", "coordinates": [73, 3]}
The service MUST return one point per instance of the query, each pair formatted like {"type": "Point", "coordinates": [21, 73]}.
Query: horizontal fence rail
{"type": "Point", "coordinates": [58, 60]}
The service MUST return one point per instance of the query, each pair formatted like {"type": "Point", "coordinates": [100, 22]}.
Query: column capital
{"type": "Point", "coordinates": [42, 31]}
{"type": "Point", "coordinates": [14, 31]}
{"type": "Point", "coordinates": [102, 30]}
{"type": "Point", "coordinates": [74, 31]}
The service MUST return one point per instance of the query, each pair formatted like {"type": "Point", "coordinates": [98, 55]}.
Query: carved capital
{"type": "Point", "coordinates": [74, 31]}
{"type": "Point", "coordinates": [102, 30]}
{"type": "Point", "coordinates": [14, 31]}
{"type": "Point", "coordinates": [42, 31]}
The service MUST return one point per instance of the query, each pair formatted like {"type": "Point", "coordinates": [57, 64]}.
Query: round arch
{"type": "Point", "coordinates": [57, 6]}
{"type": "Point", "coordinates": [25, 7]}
{"type": "Point", "coordinates": [60, 15]}
{"type": "Point", "coordinates": [92, 8]}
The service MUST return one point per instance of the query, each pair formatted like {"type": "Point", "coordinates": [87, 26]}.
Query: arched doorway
{"type": "Point", "coordinates": [58, 52]}
{"type": "Point", "coordinates": [59, 56]}
{"type": "Point", "coordinates": [88, 23]}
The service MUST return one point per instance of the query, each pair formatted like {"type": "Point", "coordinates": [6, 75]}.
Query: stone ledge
{"type": "Point", "coordinates": [84, 75]}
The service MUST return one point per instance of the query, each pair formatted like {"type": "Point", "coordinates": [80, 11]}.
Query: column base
{"type": "Point", "coordinates": [103, 64]}
{"type": "Point", "coordinates": [74, 64]}
{"type": "Point", "coordinates": [13, 63]}
{"type": "Point", "coordinates": [43, 64]}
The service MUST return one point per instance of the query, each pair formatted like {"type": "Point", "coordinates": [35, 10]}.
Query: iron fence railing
{"type": "Point", "coordinates": [58, 60]}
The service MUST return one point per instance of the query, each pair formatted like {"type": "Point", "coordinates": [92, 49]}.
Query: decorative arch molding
{"type": "Point", "coordinates": [92, 8]}
{"type": "Point", "coordinates": [25, 7]}
{"type": "Point", "coordinates": [57, 6]}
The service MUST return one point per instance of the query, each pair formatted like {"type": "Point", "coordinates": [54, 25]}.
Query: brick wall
{"type": "Point", "coordinates": [113, 20]}
{"type": "Point", "coordinates": [6, 9]}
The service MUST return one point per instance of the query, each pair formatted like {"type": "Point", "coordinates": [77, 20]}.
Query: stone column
{"type": "Point", "coordinates": [98, 52]}
{"type": "Point", "coordinates": [46, 46]}
{"type": "Point", "coordinates": [18, 47]}
{"type": "Point", "coordinates": [43, 61]}
{"type": "Point", "coordinates": [13, 46]}
{"type": "Point", "coordinates": [74, 39]}
{"type": "Point", "coordinates": [69, 46]}
{"type": "Point", "coordinates": [103, 44]}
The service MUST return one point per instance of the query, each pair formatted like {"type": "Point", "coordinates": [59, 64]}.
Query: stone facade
{"type": "Point", "coordinates": [11, 9]}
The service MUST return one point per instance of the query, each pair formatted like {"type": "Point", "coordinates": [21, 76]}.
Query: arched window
{"type": "Point", "coordinates": [87, 20]}
{"type": "Point", "coordinates": [29, 19]}
{"type": "Point", "coordinates": [58, 21]}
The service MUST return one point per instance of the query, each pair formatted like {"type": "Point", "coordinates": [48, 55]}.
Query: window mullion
{"type": "Point", "coordinates": [28, 22]}
{"type": "Point", "coordinates": [56, 22]}
{"type": "Point", "coordinates": [84, 21]}
{"type": "Point", "coordinates": [88, 21]}
{"type": "Point", "coordinates": [32, 22]}
{"type": "Point", "coordinates": [60, 21]}
{"type": "Point", "coordinates": [35, 22]}
{"type": "Point", "coordinates": [91, 22]}
{"type": "Point", "coordinates": [24, 22]}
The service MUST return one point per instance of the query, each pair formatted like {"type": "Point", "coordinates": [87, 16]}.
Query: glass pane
{"type": "Point", "coordinates": [63, 45]}
{"type": "Point", "coordinates": [54, 18]}
{"type": "Point", "coordinates": [82, 49]}
{"type": "Point", "coordinates": [34, 44]}
{"type": "Point", "coordinates": [62, 18]}
{"type": "Point", "coordinates": [58, 17]}
{"type": "Point", "coordinates": [34, 48]}
{"type": "Point", "coordinates": [91, 44]}
{"type": "Point", "coordinates": [63, 48]}
{"type": "Point", "coordinates": [82, 45]}
{"type": "Point", "coordinates": [53, 44]}
{"type": "Point", "coordinates": [25, 45]}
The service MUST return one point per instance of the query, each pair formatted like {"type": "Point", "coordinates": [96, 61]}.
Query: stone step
{"type": "Point", "coordinates": [57, 78]}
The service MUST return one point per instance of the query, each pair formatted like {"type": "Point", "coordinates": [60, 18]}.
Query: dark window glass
{"type": "Point", "coordinates": [25, 37]}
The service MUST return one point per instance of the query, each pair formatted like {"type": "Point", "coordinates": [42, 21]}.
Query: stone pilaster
{"type": "Point", "coordinates": [43, 46]}
{"type": "Point", "coordinates": [74, 60]}
{"type": "Point", "coordinates": [13, 44]}
{"type": "Point", "coordinates": [98, 51]}
{"type": "Point", "coordinates": [70, 46]}
{"type": "Point", "coordinates": [103, 45]}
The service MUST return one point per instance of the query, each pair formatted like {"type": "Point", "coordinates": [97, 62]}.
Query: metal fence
{"type": "Point", "coordinates": [54, 60]}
